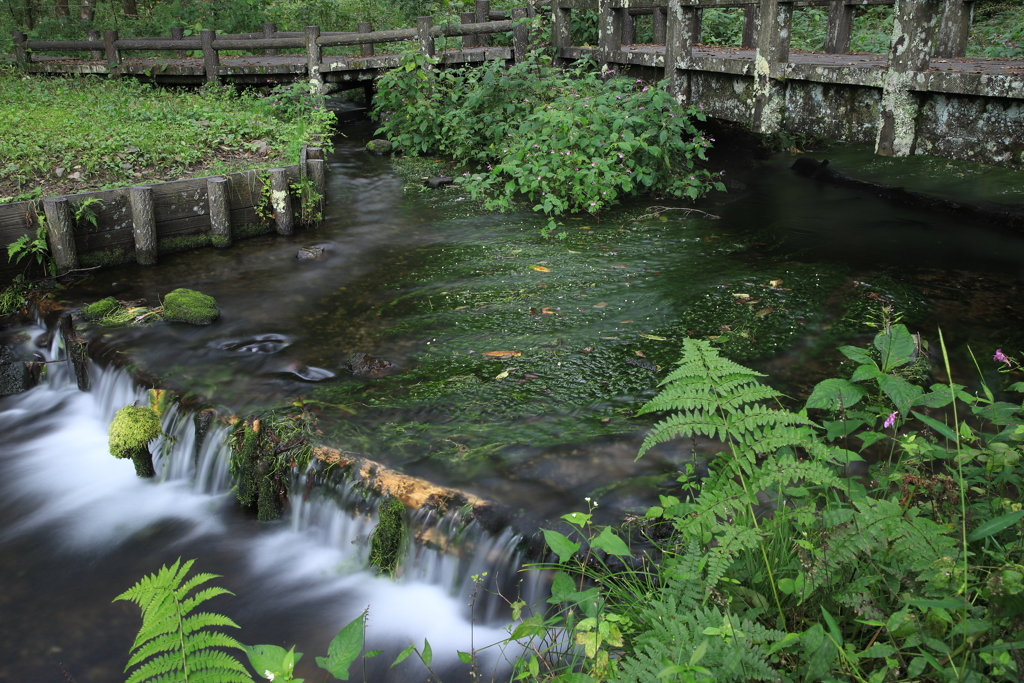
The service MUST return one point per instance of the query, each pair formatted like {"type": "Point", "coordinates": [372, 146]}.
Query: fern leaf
{"type": "Point", "coordinates": [174, 645]}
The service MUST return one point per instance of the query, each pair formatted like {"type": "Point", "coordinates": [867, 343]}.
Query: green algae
{"type": "Point", "coordinates": [388, 538]}
{"type": "Point", "coordinates": [190, 306]}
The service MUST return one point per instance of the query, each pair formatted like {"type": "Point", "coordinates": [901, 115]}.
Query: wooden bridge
{"type": "Point", "coordinates": [923, 97]}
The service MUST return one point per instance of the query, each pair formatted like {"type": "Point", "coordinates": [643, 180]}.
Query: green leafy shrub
{"type": "Point", "coordinates": [190, 306]}
{"type": "Point", "coordinates": [565, 141]}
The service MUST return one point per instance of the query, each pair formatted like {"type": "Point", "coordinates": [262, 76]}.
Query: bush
{"type": "Point", "coordinates": [565, 140]}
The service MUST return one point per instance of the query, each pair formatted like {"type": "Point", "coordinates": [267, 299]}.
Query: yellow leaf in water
{"type": "Point", "coordinates": [503, 375]}
{"type": "Point", "coordinates": [547, 311]}
{"type": "Point", "coordinates": [742, 296]}
{"type": "Point", "coordinates": [762, 313]}
{"type": "Point", "coordinates": [502, 354]}
{"type": "Point", "coordinates": [461, 308]}
{"type": "Point", "coordinates": [625, 322]}
{"type": "Point", "coordinates": [600, 305]}
{"type": "Point", "coordinates": [653, 336]}
{"type": "Point", "coordinates": [640, 353]}
{"type": "Point", "coordinates": [584, 227]}
{"type": "Point", "coordinates": [541, 269]}
{"type": "Point", "coordinates": [775, 283]}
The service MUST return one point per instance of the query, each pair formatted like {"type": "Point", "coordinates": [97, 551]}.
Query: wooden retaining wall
{"type": "Point", "coordinates": [142, 222]}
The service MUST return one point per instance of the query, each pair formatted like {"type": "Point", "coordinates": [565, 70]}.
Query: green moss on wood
{"type": "Point", "coordinates": [172, 245]}
{"type": "Point", "coordinates": [101, 309]}
{"type": "Point", "coordinates": [131, 431]}
{"type": "Point", "coordinates": [190, 306]}
{"type": "Point", "coordinates": [220, 241]}
{"type": "Point", "coordinates": [251, 230]}
{"type": "Point", "coordinates": [106, 257]}
{"type": "Point", "coordinates": [388, 538]}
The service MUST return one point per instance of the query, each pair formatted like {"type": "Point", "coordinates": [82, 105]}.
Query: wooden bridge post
{"type": "Point", "coordinates": [211, 60]}
{"type": "Point", "coordinates": [60, 233]}
{"type": "Point", "coordinates": [468, 18]}
{"type": "Point", "coordinates": [751, 19]}
{"type": "Point", "coordinates": [140, 198]}
{"type": "Point", "coordinates": [269, 29]}
{"type": "Point", "coordinates": [561, 29]}
{"type": "Point", "coordinates": [178, 33]}
{"type": "Point", "coordinates": [94, 36]}
{"type": "Point", "coordinates": [281, 201]}
{"type": "Point", "coordinates": [520, 34]}
{"type": "Point", "coordinates": [840, 26]}
{"type": "Point", "coordinates": [483, 14]}
{"type": "Point", "coordinates": [659, 19]}
{"type": "Point", "coordinates": [954, 27]}
{"type": "Point", "coordinates": [423, 26]}
{"type": "Point", "coordinates": [628, 28]}
{"type": "Point", "coordinates": [20, 55]}
{"type": "Point", "coordinates": [910, 51]}
{"type": "Point", "coordinates": [113, 55]}
{"type": "Point", "coordinates": [679, 32]}
{"type": "Point", "coordinates": [316, 171]}
{"type": "Point", "coordinates": [774, 20]}
{"type": "Point", "coordinates": [365, 49]}
{"type": "Point", "coordinates": [217, 192]}
{"type": "Point", "coordinates": [609, 30]}
{"type": "Point", "coordinates": [314, 55]}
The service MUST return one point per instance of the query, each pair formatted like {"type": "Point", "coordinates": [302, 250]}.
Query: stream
{"type": "Point", "coordinates": [780, 271]}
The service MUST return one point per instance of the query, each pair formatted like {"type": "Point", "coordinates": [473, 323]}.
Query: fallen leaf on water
{"type": "Point", "coordinates": [502, 354]}
{"type": "Point", "coordinates": [541, 269]}
{"type": "Point", "coordinates": [763, 312]}
{"type": "Point", "coordinates": [775, 283]}
{"type": "Point", "coordinates": [588, 349]}
{"type": "Point", "coordinates": [547, 311]}
{"type": "Point", "coordinates": [533, 311]}
{"type": "Point", "coordinates": [748, 300]}
{"type": "Point", "coordinates": [504, 374]}
{"type": "Point", "coordinates": [714, 336]}
{"type": "Point", "coordinates": [609, 337]}
{"type": "Point", "coordinates": [742, 296]}
{"type": "Point", "coordinates": [725, 328]}
{"type": "Point", "coordinates": [584, 227]}
{"type": "Point", "coordinates": [620, 266]}
{"type": "Point", "coordinates": [653, 336]}
{"type": "Point", "coordinates": [461, 308]}
{"type": "Point", "coordinates": [625, 322]}
{"type": "Point", "coordinates": [640, 353]}
{"type": "Point", "coordinates": [600, 305]}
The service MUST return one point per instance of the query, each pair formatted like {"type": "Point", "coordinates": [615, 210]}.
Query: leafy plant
{"type": "Point", "coordinates": [174, 643]}
{"type": "Point", "coordinates": [35, 249]}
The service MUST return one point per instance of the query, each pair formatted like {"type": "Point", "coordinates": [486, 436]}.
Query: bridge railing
{"type": "Point", "coordinates": [475, 28]}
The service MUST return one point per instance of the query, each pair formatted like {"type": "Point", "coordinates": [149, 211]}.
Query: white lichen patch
{"type": "Point", "coordinates": [279, 200]}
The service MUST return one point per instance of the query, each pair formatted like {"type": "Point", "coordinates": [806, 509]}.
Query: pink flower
{"type": "Point", "coordinates": [891, 420]}
{"type": "Point", "coordinates": [1001, 358]}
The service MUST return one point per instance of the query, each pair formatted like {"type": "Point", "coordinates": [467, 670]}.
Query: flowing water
{"type": "Point", "coordinates": [428, 281]}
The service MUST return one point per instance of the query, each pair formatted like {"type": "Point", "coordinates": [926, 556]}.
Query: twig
{"type": "Point", "coordinates": [68, 676]}
{"type": "Point", "coordinates": [658, 210]}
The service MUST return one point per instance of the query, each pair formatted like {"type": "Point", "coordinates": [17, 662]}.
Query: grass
{"type": "Point", "coordinates": [64, 135]}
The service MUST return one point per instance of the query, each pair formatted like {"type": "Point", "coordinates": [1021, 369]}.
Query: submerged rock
{"type": "Point", "coordinates": [379, 147]}
{"type": "Point", "coordinates": [259, 343]}
{"type": "Point", "coordinates": [365, 365]}
{"type": "Point", "coordinates": [17, 376]}
{"type": "Point", "coordinates": [311, 253]}
{"type": "Point", "coordinates": [190, 306]}
{"type": "Point", "coordinates": [439, 181]}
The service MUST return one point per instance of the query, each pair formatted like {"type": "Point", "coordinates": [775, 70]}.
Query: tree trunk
{"type": "Point", "coordinates": [87, 10]}
{"type": "Point", "coordinates": [129, 8]}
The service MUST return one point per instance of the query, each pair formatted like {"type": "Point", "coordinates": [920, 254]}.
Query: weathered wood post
{"type": "Point", "coordinates": [60, 233]}
{"type": "Point", "coordinates": [609, 30]}
{"type": "Point", "coordinates": [840, 26]}
{"type": "Point", "coordinates": [314, 55]}
{"type": "Point", "coordinates": [954, 27]}
{"type": "Point", "coordinates": [910, 49]}
{"type": "Point", "coordinates": [423, 26]}
{"type": "Point", "coordinates": [365, 49]}
{"type": "Point", "coordinates": [520, 34]}
{"type": "Point", "coordinates": [211, 60]}
{"type": "Point", "coordinates": [679, 31]}
{"type": "Point", "coordinates": [561, 28]}
{"type": "Point", "coordinates": [269, 29]}
{"type": "Point", "coordinates": [77, 351]}
{"type": "Point", "coordinates": [20, 55]}
{"type": "Point", "coordinates": [628, 28]}
{"type": "Point", "coordinates": [659, 20]}
{"type": "Point", "coordinates": [281, 201]}
{"type": "Point", "coordinates": [774, 19]}
{"type": "Point", "coordinates": [468, 18]}
{"type": "Point", "coordinates": [178, 33]}
{"type": "Point", "coordinates": [140, 198]}
{"type": "Point", "coordinates": [113, 56]}
{"type": "Point", "coordinates": [218, 198]}
{"type": "Point", "coordinates": [316, 171]}
{"type": "Point", "coordinates": [95, 36]}
{"type": "Point", "coordinates": [483, 14]}
{"type": "Point", "coordinates": [751, 18]}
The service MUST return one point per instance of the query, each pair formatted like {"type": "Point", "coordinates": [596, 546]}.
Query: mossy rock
{"type": "Point", "coordinates": [379, 146]}
{"type": "Point", "coordinates": [100, 309]}
{"type": "Point", "coordinates": [131, 431]}
{"type": "Point", "coordinates": [388, 538]}
{"type": "Point", "coordinates": [190, 306]}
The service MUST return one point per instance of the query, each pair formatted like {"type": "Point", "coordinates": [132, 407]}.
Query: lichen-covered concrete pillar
{"type": "Point", "coordinates": [561, 25]}
{"type": "Point", "coordinates": [314, 56]}
{"type": "Point", "coordinates": [682, 22]}
{"type": "Point", "coordinates": [910, 48]}
{"type": "Point", "coordinates": [609, 30]}
{"type": "Point", "coordinates": [953, 28]}
{"type": "Point", "coordinates": [840, 26]}
{"type": "Point", "coordinates": [774, 18]}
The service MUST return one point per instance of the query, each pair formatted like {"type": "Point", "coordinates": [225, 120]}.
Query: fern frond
{"type": "Point", "coordinates": [174, 645]}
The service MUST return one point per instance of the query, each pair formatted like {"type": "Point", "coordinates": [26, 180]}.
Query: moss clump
{"type": "Point", "coordinates": [379, 146]}
{"type": "Point", "coordinates": [131, 431]}
{"type": "Point", "coordinates": [100, 309]}
{"type": "Point", "coordinates": [190, 306]}
{"type": "Point", "coordinates": [388, 537]}
{"type": "Point", "coordinates": [172, 245]}
{"type": "Point", "coordinates": [107, 257]}
{"type": "Point", "coordinates": [220, 241]}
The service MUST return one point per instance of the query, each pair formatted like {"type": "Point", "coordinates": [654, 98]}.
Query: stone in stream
{"type": "Point", "coordinates": [17, 376]}
{"type": "Point", "coordinates": [366, 366]}
{"type": "Point", "coordinates": [440, 181]}
{"type": "Point", "coordinates": [379, 147]}
{"type": "Point", "coordinates": [311, 253]}
{"type": "Point", "coordinates": [190, 306]}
